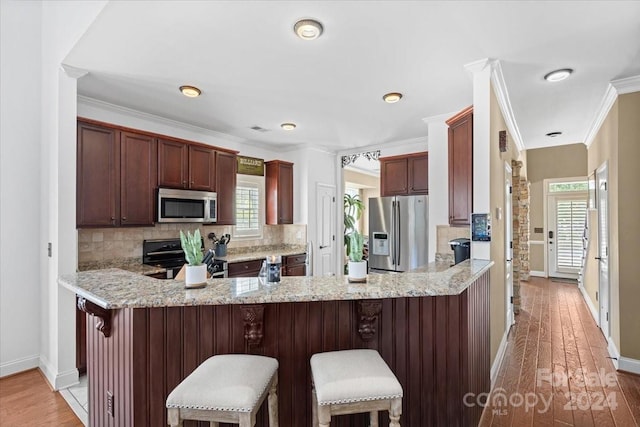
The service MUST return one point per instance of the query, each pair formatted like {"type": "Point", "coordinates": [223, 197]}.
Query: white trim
{"type": "Point", "coordinates": [19, 365]}
{"type": "Point", "coordinates": [502, 95]}
{"type": "Point", "coordinates": [626, 85]}
{"type": "Point", "coordinates": [536, 242]}
{"type": "Point", "coordinates": [73, 72]}
{"type": "Point", "coordinates": [61, 380]}
{"type": "Point", "coordinates": [497, 362]}
{"type": "Point", "coordinates": [606, 103]}
{"type": "Point", "coordinates": [629, 365]}
{"type": "Point", "coordinates": [479, 65]}
{"type": "Point", "coordinates": [536, 273]}
{"type": "Point", "coordinates": [587, 299]}
{"type": "Point", "coordinates": [613, 352]}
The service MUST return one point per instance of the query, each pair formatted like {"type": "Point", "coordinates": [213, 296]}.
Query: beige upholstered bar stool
{"type": "Point", "coordinates": [351, 382]}
{"type": "Point", "coordinates": [227, 388]}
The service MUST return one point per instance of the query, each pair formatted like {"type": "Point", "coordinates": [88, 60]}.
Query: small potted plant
{"type": "Point", "coordinates": [196, 271]}
{"type": "Point", "coordinates": [357, 267]}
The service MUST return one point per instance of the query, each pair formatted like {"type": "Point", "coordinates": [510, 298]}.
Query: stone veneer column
{"type": "Point", "coordinates": [521, 265]}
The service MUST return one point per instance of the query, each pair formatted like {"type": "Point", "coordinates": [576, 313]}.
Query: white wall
{"type": "Point", "coordinates": [19, 185]}
{"type": "Point", "coordinates": [438, 178]}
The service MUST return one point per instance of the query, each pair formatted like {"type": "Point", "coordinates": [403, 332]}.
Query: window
{"type": "Point", "coordinates": [557, 187]}
{"type": "Point", "coordinates": [571, 216]}
{"type": "Point", "coordinates": [249, 206]}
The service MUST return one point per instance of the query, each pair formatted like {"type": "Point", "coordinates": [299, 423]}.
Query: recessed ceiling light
{"type": "Point", "coordinates": [308, 29]}
{"type": "Point", "coordinates": [392, 97]}
{"type": "Point", "coordinates": [558, 75]}
{"type": "Point", "coordinates": [554, 134]}
{"type": "Point", "coordinates": [190, 91]}
{"type": "Point", "coordinates": [288, 126]}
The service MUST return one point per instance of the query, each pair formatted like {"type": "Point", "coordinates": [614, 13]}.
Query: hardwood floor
{"type": "Point", "coordinates": [556, 369]}
{"type": "Point", "coordinates": [27, 400]}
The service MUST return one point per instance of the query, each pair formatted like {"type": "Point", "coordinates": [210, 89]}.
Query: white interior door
{"type": "Point", "coordinates": [324, 259]}
{"type": "Point", "coordinates": [508, 242]}
{"type": "Point", "coordinates": [565, 227]}
{"type": "Point", "coordinates": [603, 247]}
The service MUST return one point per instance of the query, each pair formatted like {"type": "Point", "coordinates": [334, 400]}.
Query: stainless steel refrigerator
{"type": "Point", "coordinates": [398, 233]}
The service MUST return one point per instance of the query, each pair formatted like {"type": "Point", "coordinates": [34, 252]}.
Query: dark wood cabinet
{"type": "Point", "coordinates": [245, 268]}
{"type": "Point", "coordinates": [81, 340]}
{"type": "Point", "coordinates": [116, 177]}
{"type": "Point", "coordinates": [202, 168]}
{"type": "Point", "coordinates": [294, 265]}
{"type": "Point", "coordinates": [182, 165]}
{"type": "Point", "coordinates": [279, 192]}
{"type": "Point", "coordinates": [404, 175]}
{"type": "Point", "coordinates": [226, 168]}
{"type": "Point", "coordinates": [461, 167]}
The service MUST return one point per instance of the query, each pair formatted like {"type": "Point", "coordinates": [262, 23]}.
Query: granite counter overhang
{"type": "Point", "coordinates": [115, 288]}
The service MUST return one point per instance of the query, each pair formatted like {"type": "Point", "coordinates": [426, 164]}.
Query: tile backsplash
{"type": "Point", "coordinates": [445, 233]}
{"type": "Point", "coordinates": [105, 244]}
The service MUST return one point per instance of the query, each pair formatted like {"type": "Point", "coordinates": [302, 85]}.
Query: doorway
{"type": "Point", "coordinates": [323, 261]}
{"type": "Point", "coordinates": [508, 247]}
{"type": "Point", "coordinates": [602, 176]}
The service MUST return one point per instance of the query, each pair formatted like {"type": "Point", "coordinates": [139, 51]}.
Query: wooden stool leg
{"type": "Point", "coordinates": [394, 412]}
{"type": "Point", "coordinates": [247, 419]}
{"type": "Point", "coordinates": [273, 402]}
{"type": "Point", "coordinates": [373, 419]}
{"type": "Point", "coordinates": [324, 415]}
{"type": "Point", "coordinates": [173, 417]}
{"type": "Point", "coordinates": [314, 408]}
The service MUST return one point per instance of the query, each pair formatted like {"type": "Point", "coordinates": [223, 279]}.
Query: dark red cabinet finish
{"type": "Point", "coordinates": [404, 175]}
{"type": "Point", "coordinates": [138, 179]}
{"type": "Point", "coordinates": [245, 268]}
{"type": "Point", "coordinates": [226, 168]}
{"type": "Point", "coordinates": [202, 168]}
{"type": "Point", "coordinates": [461, 167]}
{"type": "Point", "coordinates": [294, 265]}
{"type": "Point", "coordinates": [182, 165]}
{"type": "Point", "coordinates": [279, 192]}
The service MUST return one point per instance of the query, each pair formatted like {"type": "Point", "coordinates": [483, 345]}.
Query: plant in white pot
{"type": "Point", "coordinates": [196, 271]}
{"type": "Point", "coordinates": [357, 267]}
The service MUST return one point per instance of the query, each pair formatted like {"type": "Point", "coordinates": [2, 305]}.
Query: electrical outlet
{"type": "Point", "coordinates": [110, 408]}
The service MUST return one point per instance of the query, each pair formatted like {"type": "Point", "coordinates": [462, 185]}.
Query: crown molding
{"type": "Point", "coordinates": [627, 85]}
{"type": "Point", "coordinates": [606, 103]}
{"type": "Point", "coordinates": [439, 119]}
{"type": "Point", "coordinates": [156, 119]}
{"type": "Point", "coordinates": [479, 65]}
{"type": "Point", "coordinates": [73, 72]}
{"type": "Point", "coordinates": [502, 94]}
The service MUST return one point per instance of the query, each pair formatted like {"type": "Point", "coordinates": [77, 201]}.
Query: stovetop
{"type": "Point", "coordinates": [168, 253]}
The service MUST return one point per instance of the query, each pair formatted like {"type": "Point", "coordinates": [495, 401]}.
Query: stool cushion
{"type": "Point", "coordinates": [352, 376]}
{"type": "Point", "coordinates": [229, 382]}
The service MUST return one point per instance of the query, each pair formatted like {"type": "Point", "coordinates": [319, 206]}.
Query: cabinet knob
{"type": "Point", "coordinates": [113, 218]}
{"type": "Point", "coordinates": [124, 218]}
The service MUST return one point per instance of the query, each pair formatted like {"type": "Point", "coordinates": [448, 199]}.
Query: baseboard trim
{"type": "Point", "coordinates": [537, 273]}
{"type": "Point", "coordinates": [628, 364]}
{"type": "Point", "coordinates": [592, 308]}
{"type": "Point", "coordinates": [19, 365]}
{"type": "Point", "coordinates": [613, 352]}
{"type": "Point", "coordinates": [61, 380]}
{"type": "Point", "coordinates": [495, 367]}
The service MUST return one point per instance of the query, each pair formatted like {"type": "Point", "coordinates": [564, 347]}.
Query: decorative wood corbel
{"type": "Point", "coordinates": [253, 316]}
{"type": "Point", "coordinates": [368, 312]}
{"type": "Point", "coordinates": [103, 315]}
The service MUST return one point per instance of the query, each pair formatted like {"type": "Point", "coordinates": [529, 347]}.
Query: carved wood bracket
{"type": "Point", "coordinates": [253, 316]}
{"type": "Point", "coordinates": [368, 312]}
{"type": "Point", "coordinates": [103, 315]}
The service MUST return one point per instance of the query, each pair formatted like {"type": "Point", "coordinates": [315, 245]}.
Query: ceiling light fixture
{"type": "Point", "coordinates": [308, 29]}
{"type": "Point", "coordinates": [558, 75]}
{"type": "Point", "coordinates": [392, 97]}
{"type": "Point", "coordinates": [288, 126]}
{"type": "Point", "coordinates": [554, 134]}
{"type": "Point", "coordinates": [190, 91]}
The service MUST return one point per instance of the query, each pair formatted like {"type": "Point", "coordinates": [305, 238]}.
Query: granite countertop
{"type": "Point", "coordinates": [116, 288]}
{"type": "Point", "coordinates": [129, 264]}
{"type": "Point", "coordinates": [262, 254]}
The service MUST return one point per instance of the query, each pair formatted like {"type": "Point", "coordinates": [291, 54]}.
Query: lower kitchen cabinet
{"type": "Point", "coordinates": [294, 265]}
{"type": "Point", "coordinates": [245, 268]}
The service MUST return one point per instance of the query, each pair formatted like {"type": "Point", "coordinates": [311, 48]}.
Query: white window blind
{"type": "Point", "coordinates": [571, 217]}
{"type": "Point", "coordinates": [249, 217]}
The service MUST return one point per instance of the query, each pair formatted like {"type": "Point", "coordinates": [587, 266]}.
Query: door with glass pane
{"type": "Point", "coordinates": [565, 228]}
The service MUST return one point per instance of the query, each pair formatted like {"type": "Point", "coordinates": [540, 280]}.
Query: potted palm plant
{"type": "Point", "coordinates": [357, 266]}
{"type": "Point", "coordinates": [196, 270]}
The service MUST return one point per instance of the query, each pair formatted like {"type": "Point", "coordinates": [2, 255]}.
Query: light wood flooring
{"type": "Point", "coordinates": [27, 400]}
{"type": "Point", "coordinates": [556, 337]}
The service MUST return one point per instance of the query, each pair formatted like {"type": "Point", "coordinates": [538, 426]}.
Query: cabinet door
{"type": "Point", "coordinates": [418, 174]}
{"type": "Point", "coordinates": [202, 172]}
{"type": "Point", "coordinates": [138, 178]}
{"type": "Point", "coordinates": [173, 157]}
{"type": "Point", "coordinates": [294, 270]}
{"type": "Point", "coordinates": [245, 268]}
{"type": "Point", "coordinates": [461, 171]}
{"type": "Point", "coordinates": [226, 167]}
{"type": "Point", "coordinates": [98, 176]}
{"type": "Point", "coordinates": [285, 194]}
{"type": "Point", "coordinates": [393, 177]}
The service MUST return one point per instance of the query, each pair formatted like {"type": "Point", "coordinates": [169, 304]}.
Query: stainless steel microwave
{"type": "Point", "coordinates": [187, 206]}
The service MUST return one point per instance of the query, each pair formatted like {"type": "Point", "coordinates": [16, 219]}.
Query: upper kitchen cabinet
{"type": "Point", "coordinates": [116, 177]}
{"type": "Point", "coordinates": [182, 165]}
{"type": "Point", "coordinates": [461, 167]}
{"type": "Point", "coordinates": [279, 192]}
{"type": "Point", "coordinates": [404, 175]}
{"type": "Point", "coordinates": [226, 169]}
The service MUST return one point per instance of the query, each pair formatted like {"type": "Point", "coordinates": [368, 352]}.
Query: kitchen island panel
{"type": "Point", "coordinates": [438, 346]}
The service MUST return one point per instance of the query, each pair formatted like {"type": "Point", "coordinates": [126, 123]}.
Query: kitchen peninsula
{"type": "Point", "coordinates": [430, 325]}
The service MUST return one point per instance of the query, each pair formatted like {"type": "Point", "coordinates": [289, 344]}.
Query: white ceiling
{"type": "Point", "coordinates": [254, 71]}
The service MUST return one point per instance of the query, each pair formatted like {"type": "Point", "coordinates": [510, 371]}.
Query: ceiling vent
{"type": "Point", "coordinates": [259, 129]}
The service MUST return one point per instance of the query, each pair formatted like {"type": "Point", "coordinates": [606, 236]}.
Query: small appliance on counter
{"type": "Point", "coordinates": [273, 263]}
{"type": "Point", "coordinates": [461, 249]}
{"type": "Point", "coordinates": [168, 253]}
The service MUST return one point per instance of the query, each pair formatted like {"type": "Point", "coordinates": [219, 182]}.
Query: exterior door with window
{"type": "Point", "coordinates": [566, 218]}
{"type": "Point", "coordinates": [603, 247]}
{"type": "Point", "coordinates": [324, 263]}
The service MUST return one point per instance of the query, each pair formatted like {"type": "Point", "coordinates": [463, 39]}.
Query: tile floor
{"type": "Point", "coordinates": [77, 397]}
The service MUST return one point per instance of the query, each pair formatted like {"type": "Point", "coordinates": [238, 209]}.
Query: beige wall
{"type": "Point", "coordinates": [552, 162]}
{"type": "Point", "coordinates": [497, 200]}
{"type": "Point", "coordinates": [536, 256]}
{"type": "Point", "coordinates": [372, 189]}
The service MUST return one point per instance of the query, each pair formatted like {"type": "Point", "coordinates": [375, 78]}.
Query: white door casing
{"type": "Point", "coordinates": [325, 247]}
{"type": "Point", "coordinates": [508, 243]}
{"type": "Point", "coordinates": [602, 176]}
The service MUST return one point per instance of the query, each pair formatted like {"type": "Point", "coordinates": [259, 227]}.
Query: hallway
{"type": "Point", "coordinates": [556, 336]}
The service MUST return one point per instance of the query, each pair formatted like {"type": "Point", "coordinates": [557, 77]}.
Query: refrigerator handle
{"type": "Point", "coordinates": [398, 234]}
{"type": "Point", "coordinates": [393, 221]}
